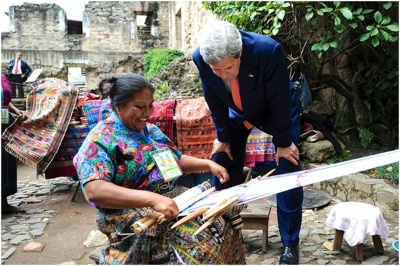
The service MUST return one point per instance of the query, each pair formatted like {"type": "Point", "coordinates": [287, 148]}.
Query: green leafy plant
{"type": "Point", "coordinates": [389, 172]}
{"type": "Point", "coordinates": [161, 89]}
{"type": "Point", "coordinates": [157, 59]}
{"type": "Point", "coordinates": [324, 34]}
{"type": "Point", "coordinates": [263, 17]}
{"type": "Point", "coordinates": [344, 156]}
{"type": "Point", "coordinates": [366, 137]}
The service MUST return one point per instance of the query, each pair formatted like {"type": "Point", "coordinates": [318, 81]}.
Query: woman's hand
{"type": "Point", "coordinates": [219, 171]}
{"type": "Point", "coordinates": [291, 153]}
{"type": "Point", "coordinates": [23, 115]}
{"type": "Point", "coordinates": [221, 147]}
{"type": "Point", "coordinates": [165, 206]}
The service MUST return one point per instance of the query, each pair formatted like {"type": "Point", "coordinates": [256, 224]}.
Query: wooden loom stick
{"type": "Point", "coordinates": [190, 217]}
{"type": "Point", "coordinates": [267, 174]}
{"type": "Point", "coordinates": [222, 208]}
{"type": "Point", "coordinates": [215, 217]}
{"type": "Point", "coordinates": [140, 226]}
{"type": "Point", "coordinates": [212, 209]}
{"type": "Point", "coordinates": [206, 224]}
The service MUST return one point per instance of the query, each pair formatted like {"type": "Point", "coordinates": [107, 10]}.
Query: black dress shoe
{"type": "Point", "coordinates": [290, 256]}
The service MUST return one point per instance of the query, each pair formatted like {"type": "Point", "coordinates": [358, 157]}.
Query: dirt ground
{"type": "Point", "coordinates": [65, 233]}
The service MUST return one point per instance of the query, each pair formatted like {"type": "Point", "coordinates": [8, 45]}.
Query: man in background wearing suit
{"type": "Point", "coordinates": [18, 72]}
{"type": "Point", "coordinates": [246, 84]}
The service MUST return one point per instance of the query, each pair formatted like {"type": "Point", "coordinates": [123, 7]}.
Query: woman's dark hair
{"type": "Point", "coordinates": [123, 89]}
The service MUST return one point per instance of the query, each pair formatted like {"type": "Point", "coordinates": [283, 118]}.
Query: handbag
{"type": "Point", "coordinates": [301, 84]}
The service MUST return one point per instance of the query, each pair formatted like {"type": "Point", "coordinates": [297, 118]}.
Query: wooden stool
{"type": "Point", "coordinates": [256, 217]}
{"type": "Point", "coordinates": [355, 220]}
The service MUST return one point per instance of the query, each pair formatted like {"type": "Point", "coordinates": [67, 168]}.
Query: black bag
{"type": "Point", "coordinates": [302, 87]}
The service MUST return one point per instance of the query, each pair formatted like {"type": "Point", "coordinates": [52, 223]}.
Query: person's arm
{"type": "Point", "coordinates": [111, 196]}
{"type": "Point", "coordinates": [197, 165]}
{"type": "Point", "coordinates": [13, 109]}
{"type": "Point", "coordinates": [28, 70]}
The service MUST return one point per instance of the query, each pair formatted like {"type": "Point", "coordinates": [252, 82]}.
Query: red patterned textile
{"type": "Point", "coordinates": [163, 117]}
{"type": "Point", "coordinates": [195, 128]}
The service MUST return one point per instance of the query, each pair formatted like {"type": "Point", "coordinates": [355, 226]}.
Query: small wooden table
{"type": "Point", "coordinates": [256, 217]}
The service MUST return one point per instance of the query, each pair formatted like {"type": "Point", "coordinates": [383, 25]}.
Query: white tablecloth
{"type": "Point", "coordinates": [357, 220]}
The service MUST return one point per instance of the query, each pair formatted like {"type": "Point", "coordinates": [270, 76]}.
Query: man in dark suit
{"type": "Point", "coordinates": [267, 101]}
{"type": "Point", "coordinates": [18, 73]}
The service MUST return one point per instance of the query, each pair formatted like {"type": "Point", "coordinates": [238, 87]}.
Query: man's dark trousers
{"type": "Point", "coordinates": [16, 84]}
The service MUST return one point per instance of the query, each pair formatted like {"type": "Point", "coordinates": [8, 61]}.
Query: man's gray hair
{"type": "Point", "coordinates": [220, 40]}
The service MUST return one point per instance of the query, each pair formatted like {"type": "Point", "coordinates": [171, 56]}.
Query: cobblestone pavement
{"type": "Point", "coordinates": [19, 229]}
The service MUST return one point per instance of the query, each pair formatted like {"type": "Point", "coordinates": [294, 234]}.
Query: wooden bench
{"type": "Point", "coordinates": [256, 217]}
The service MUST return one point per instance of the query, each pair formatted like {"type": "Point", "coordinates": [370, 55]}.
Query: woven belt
{"type": "Point", "coordinates": [166, 187]}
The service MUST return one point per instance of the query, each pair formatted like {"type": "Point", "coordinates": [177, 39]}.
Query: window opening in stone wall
{"type": "Point", "coordinates": [74, 27]}
{"type": "Point", "coordinates": [178, 30]}
{"type": "Point", "coordinates": [77, 76]}
{"type": "Point", "coordinates": [143, 23]}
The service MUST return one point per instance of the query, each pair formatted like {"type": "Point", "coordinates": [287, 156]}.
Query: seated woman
{"type": "Point", "coordinates": [120, 177]}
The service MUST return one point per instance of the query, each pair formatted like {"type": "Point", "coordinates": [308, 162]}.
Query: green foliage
{"type": "Point", "coordinates": [160, 90]}
{"type": "Point", "coordinates": [366, 137]}
{"type": "Point", "coordinates": [260, 17]}
{"type": "Point", "coordinates": [320, 34]}
{"type": "Point", "coordinates": [344, 156]}
{"type": "Point", "coordinates": [345, 15]}
{"type": "Point", "coordinates": [389, 172]}
{"type": "Point", "coordinates": [157, 59]}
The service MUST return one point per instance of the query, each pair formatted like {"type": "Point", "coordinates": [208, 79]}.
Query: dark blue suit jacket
{"type": "Point", "coordinates": [25, 68]}
{"type": "Point", "coordinates": [265, 90]}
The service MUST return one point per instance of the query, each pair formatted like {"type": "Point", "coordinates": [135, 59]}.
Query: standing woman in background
{"type": "Point", "coordinates": [8, 161]}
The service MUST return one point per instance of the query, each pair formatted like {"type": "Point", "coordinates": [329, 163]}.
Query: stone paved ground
{"type": "Point", "coordinates": [62, 227]}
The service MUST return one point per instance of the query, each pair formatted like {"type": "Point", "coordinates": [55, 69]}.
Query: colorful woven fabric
{"type": "Point", "coordinates": [163, 117]}
{"type": "Point", "coordinates": [62, 164]}
{"type": "Point", "coordinates": [96, 110]}
{"type": "Point", "coordinates": [259, 148]}
{"type": "Point", "coordinates": [161, 245]}
{"type": "Point", "coordinates": [195, 128]}
{"type": "Point", "coordinates": [36, 140]}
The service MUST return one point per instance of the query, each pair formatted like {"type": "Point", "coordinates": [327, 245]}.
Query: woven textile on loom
{"type": "Point", "coordinates": [36, 140]}
{"type": "Point", "coordinates": [259, 148]}
{"type": "Point", "coordinates": [195, 128]}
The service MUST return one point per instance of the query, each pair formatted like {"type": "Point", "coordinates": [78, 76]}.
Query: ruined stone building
{"type": "Point", "coordinates": [111, 39]}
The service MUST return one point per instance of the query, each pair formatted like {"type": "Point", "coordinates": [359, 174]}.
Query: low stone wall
{"type": "Point", "coordinates": [361, 188]}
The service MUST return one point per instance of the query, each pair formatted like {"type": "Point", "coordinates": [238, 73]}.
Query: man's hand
{"type": "Point", "coordinates": [221, 147]}
{"type": "Point", "coordinates": [291, 153]}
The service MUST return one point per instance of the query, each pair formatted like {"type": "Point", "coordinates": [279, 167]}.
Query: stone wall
{"type": "Point", "coordinates": [360, 188]}
{"type": "Point", "coordinates": [112, 42]}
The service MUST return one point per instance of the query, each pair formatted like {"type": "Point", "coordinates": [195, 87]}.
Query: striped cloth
{"type": "Point", "coordinates": [36, 140]}
{"type": "Point", "coordinates": [163, 117]}
{"type": "Point", "coordinates": [195, 128]}
{"type": "Point", "coordinates": [259, 148]}
{"type": "Point", "coordinates": [62, 163]}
